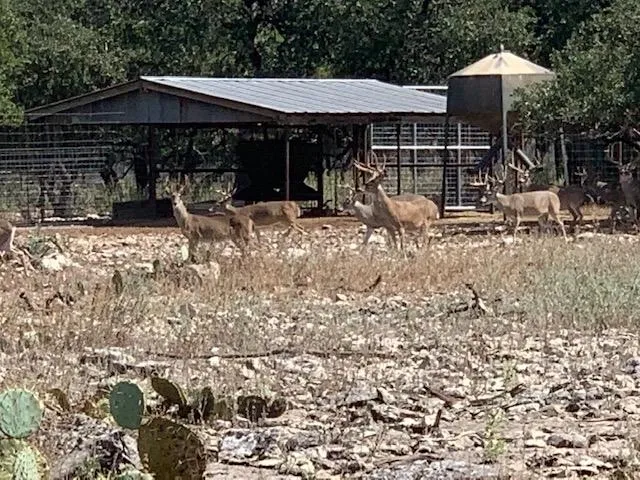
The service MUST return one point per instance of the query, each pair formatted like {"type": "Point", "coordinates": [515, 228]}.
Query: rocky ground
{"type": "Point", "coordinates": [472, 358]}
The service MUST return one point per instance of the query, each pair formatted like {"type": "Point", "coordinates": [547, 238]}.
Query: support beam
{"type": "Point", "coordinates": [445, 161]}
{"type": "Point", "coordinates": [399, 159]}
{"type": "Point", "coordinates": [152, 159]}
{"type": "Point", "coordinates": [287, 166]}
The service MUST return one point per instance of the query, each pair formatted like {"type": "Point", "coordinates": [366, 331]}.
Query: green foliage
{"type": "Point", "coordinates": [20, 413]}
{"type": "Point", "coordinates": [170, 450]}
{"type": "Point", "coordinates": [597, 85]}
{"type": "Point", "coordinates": [126, 403]}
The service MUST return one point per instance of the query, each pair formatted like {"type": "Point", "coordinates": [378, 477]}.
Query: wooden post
{"type": "Point", "coordinates": [445, 161]}
{"type": "Point", "coordinates": [398, 159]}
{"type": "Point", "coordinates": [415, 158]}
{"type": "Point", "coordinates": [565, 157]}
{"type": "Point", "coordinates": [287, 166]}
{"type": "Point", "coordinates": [152, 151]}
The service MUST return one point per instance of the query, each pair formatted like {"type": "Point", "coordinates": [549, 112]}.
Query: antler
{"type": "Point", "coordinates": [480, 182]}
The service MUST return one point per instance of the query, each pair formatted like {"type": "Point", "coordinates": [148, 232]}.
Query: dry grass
{"type": "Point", "coordinates": [285, 297]}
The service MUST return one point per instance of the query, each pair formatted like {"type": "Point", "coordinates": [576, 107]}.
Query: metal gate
{"type": "Point", "coordinates": [422, 157]}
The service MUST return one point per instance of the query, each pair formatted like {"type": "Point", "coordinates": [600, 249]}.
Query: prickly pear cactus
{"type": "Point", "coordinates": [170, 391]}
{"type": "Point", "coordinates": [19, 461]}
{"type": "Point", "coordinates": [126, 403]}
{"type": "Point", "coordinates": [25, 466]}
{"type": "Point", "coordinates": [20, 413]}
{"type": "Point", "coordinates": [169, 450]}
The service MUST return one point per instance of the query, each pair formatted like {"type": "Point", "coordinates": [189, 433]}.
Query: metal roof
{"type": "Point", "coordinates": [305, 96]}
{"type": "Point", "coordinates": [502, 63]}
{"type": "Point", "coordinates": [245, 101]}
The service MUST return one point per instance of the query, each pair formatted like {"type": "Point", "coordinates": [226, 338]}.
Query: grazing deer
{"type": "Point", "coordinates": [197, 228]}
{"type": "Point", "coordinates": [394, 214]}
{"type": "Point", "coordinates": [265, 213]}
{"type": "Point", "coordinates": [542, 203]}
{"type": "Point", "coordinates": [572, 197]}
{"type": "Point", "coordinates": [7, 233]}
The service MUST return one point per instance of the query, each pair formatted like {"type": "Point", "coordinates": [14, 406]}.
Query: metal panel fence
{"type": "Point", "coordinates": [56, 172]}
{"type": "Point", "coordinates": [422, 156]}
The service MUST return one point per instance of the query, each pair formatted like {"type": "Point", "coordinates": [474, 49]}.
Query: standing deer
{"type": "Point", "coordinates": [265, 213]}
{"type": "Point", "coordinates": [397, 215]}
{"type": "Point", "coordinates": [366, 214]}
{"type": "Point", "coordinates": [541, 203]}
{"type": "Point", "coordinates": [197, 228]}
{"type": "Point", "coordinates": [630, 188]}
{"type": "Point", "coordinates": [572, 197]}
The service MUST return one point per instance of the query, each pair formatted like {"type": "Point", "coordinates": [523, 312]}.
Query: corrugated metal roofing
{"type": "Point", "coordinates": [312, 96]}
{"type": "Point", "coordinates": [502, 63]}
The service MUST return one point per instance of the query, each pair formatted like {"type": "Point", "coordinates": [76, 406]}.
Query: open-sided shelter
{"type": "Point", "coordinates": [174, 102]}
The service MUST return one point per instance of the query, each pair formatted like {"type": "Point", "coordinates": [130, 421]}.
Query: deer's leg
{"type": "Point", "coordinates": [402, 232]}
{"type": "Point", "coordinates": [367, 236]}
{"type": "Point", "coordinates": [556, 218]}
{"type": "Point", "coordinates": [391, 234]}
{"type": "Point", "coordinates": [193, 244]}
{"type": "Point", "coordinates": [515, 228]}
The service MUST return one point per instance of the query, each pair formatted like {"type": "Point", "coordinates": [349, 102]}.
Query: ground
{"type": "Point", "coordinates": [471, 358]}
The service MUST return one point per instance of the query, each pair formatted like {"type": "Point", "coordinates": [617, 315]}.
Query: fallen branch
{"type": "Point", "coordinates": [408, 458]}
{"type": "Point", "coordinates": [280, 351]}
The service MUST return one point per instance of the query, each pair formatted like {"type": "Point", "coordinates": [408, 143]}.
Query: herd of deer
{"type": "Point", "coordinates": [398, 214]}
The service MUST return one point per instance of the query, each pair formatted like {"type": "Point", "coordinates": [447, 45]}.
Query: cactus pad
{"type": "Point", "coordinates": [170, 450]}
{"type": "Point", "coordinates": [170, 391]}
{"type": "Point", "coordinates": [18, 461]}
{"type": "Point", "coordinates": [25, 466]}
{"type": "Point", "coordinates": [20, 413]}
{"type": "Point", "coordinates": [126, 403]}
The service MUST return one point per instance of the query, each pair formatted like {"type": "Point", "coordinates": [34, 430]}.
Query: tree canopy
{"type": "Point", "coordinates": [53, 50]}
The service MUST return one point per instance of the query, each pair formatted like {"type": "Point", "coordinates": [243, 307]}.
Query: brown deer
{"type": "Point", "coordinates": [264, 214]}
{"type": "Point", "coordinates": [630, 188]}
{"type": "Point", "coordinates": [7, 233]}
{"type": "Point", "coordinates": [394, 214]}
{"type": "Point", "coordinates": [541, 203]}
{"type": "Point", "coordinates": [199, 228]}
{"type": "Point", "coordinates": [365, 213]}
{"type": "Point", "coordinates": [572, 197]}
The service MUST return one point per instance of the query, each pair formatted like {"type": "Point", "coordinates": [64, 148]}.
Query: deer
{"type": "Point", "coordinates": [197, 228]}
{"type": "Point", "coordinates": [394, 214]}
{"type": "Point", "coordinates": [572, 197]}
{"type": "Point", "coordinates": [542, 203]}
{"type": "Point", "coordinates": [7, 234]}
{"type": "Point", "coordinates": [630, 188]}
{"type": "Point", "coordinates": [365, 212]}
{"type": "Point", "coordinates": [264, 213]}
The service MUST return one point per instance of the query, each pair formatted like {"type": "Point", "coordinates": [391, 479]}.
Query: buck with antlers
{"type": "Point", "coordinates": [263, 214]}
{"type": "Point", "coordinates": [541, 203]}
{"type": "Point", "coordinates": [413, 212]}
{"type": "Point", "coordinates": [572, 197]}
{"type": "Point", "coordinates": [197, 228]}
{"type": "Point", "coordinates": [366, 213]}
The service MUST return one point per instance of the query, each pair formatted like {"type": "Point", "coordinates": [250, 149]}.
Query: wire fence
{"type": "Point", "coordinates": [422, 150]}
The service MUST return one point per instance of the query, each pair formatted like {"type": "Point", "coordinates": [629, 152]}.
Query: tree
{"type": "Point", "coordinates": [597, 85]}
{"type": "Point", "coordinates": [11, 39]}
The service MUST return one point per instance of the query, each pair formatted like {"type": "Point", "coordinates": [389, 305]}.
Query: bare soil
{"type": "Point", "coordinates": [473, 357]}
